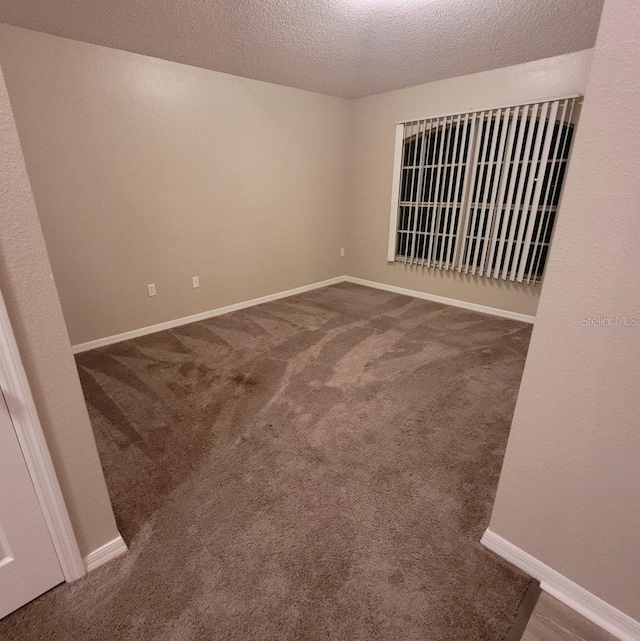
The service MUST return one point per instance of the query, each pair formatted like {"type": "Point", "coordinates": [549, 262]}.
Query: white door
{"type": "Point", "coordinates": [28, 562]}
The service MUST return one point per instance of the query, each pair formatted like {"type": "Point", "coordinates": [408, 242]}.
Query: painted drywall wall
{"type": "Point", "coordinates": [570, 485]}
{"type": "Point", "coordinates": [148, 171]}
{"type": "Point", "coordinates": [32, 301]}
{"type": "Point", "coordinates": [371, 161]}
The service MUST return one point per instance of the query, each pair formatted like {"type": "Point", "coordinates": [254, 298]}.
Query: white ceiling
{"type": "Point", "coordinates": [348, 48]}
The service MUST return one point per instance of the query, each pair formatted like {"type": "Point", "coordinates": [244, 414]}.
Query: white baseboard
{"type": "Point", "coordinates": [105, 553]}
{"type": "Point", "coordinates": [150, 329]}
{"type": "Point", "coordinates": [591, 607]}
{"type": "Point", "coordinates": [185, 320]}
{"type": "Point", "coordinates": [484, 309]}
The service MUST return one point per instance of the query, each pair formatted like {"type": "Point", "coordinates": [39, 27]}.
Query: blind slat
{"type": "Point", "coordinates": [545, 208]}
{"type": "Point", "coordinates": [491, 184]}
{"type": "Point", "coordinates": [450, 205]}
{"type": "Point", "coordinates": [564, 133]}
{"type": "Point", "coordinates": [474, 149]}
{"type": "Point", "coordinates": [422, 127]}
{"type": "Point", "coordinates": [533, 214]}
{"type": "Point", "coordinates": [396, 182]}
{"type": "Point", "coordinates": [488, 143]}
{"type": "Point", "coordinates": [509, 203]}
{"type": "Point", "coordinates": [443, 200]}
{"type": "Point", "coordinates": [530, 182]}
{"type": "Point", "coordinates": [476, 197]}
{"type": "Point", "coordinates": [500, 207]}
{"type": "Point", "coordinates": [415, 129]}
{"type": "Point", "coordinates": [437, 187]}
{"type": "Point", "coordinates": [528, 123]}
{"type": "Point", "coordinates": [426, 193]}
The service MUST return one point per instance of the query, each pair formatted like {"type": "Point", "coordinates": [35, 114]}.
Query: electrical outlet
{"type": "Point", "coordinates": [151, 288]}
{"type": "Point", "coordinates": [195, 280]}
{"type": "Point", "coordinates": [342, 252]}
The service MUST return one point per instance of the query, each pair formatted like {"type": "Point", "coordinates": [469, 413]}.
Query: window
{"type": "Point", "coordinates": [479, 192]}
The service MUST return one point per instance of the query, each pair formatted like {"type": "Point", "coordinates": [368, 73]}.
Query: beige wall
{"type": "Point", "coordinates": [27, 286]}
{"type": "Point", "coordinates": [569, 493]}
{"type": "Point", "coordinates": [372, 147]}
{"type": "Point", "coordinates": [148, 171]}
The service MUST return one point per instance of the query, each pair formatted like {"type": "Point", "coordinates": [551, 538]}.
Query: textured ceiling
{"type": "Point", "coordinates": [346, 48]}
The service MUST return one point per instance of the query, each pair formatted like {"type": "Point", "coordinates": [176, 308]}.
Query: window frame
{"type": "Point", "coordinates": [399, 144]}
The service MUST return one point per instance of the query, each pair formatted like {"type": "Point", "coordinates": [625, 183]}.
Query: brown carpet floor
{"type": "Point", "coordinates": [316, 468]}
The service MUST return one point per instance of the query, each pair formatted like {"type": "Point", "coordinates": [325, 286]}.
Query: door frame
{"type": "Point", "coordinates": [26, 422]}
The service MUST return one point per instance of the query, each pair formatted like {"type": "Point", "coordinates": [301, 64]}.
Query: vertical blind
{"type": "Point", "coordinates": [479, 192]}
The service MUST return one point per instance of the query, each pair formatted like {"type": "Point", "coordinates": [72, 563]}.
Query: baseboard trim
{"type": "Point", "coordinates": [219, 311]}
{"type": "Point", "coordinates": [591, 607]}
{"type": "Point", "coordinates": [185, 320]}
{"type": "Point", "coordinates": [105, 553]}
{"type": "Point", "coordinates": [484, 309]}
